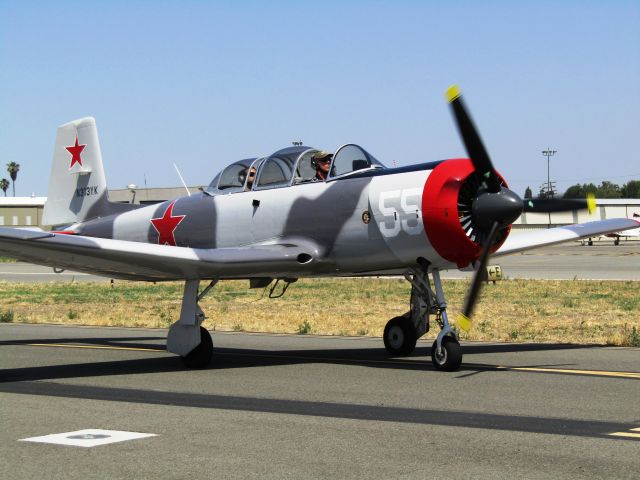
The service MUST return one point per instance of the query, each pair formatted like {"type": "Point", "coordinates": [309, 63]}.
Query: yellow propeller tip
{"type": "Point", "coordinates": [591, 203]}
{"type": "Point", "coordinates": [452, 93]}
{"type": "Point", "coordinates": [463, 322]}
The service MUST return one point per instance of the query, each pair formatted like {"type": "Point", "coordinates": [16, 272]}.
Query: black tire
{"type": "Point", "coordinates": [400, 336]}
{"type": "Point", "coordinates": [451, 357]}
{"type": "Point", "coordinates": [200, 357]}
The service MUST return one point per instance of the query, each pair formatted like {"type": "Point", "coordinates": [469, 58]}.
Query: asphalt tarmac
{"type": "Point", "coordinates": [291, 406]}
{"type": "Point", "coordinates": [603, 261]}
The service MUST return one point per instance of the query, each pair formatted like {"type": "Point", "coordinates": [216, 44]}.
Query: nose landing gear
{"type": "Point", "coordinates": [401, 333]}
{"type": "Point", "coordinates": [449, 357]}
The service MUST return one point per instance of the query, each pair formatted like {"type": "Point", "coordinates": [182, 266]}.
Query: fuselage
{"type": "Point", "coordinates": [371, 221]}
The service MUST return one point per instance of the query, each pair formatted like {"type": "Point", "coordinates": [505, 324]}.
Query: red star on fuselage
{"type": "Point", "coordinates": [166, 225]}
{"type": "Point", "coordinates": [75, 151]}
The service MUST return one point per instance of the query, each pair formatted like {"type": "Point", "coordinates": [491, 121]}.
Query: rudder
{"type": "Point", "coordinates": [77, 186]}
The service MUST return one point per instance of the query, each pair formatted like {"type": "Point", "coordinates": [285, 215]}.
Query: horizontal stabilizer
{"type": "Point", "coordinates": [23, 233]}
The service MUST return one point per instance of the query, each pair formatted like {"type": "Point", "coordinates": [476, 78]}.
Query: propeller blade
{"type": "Point", "coordinates": [475, 148]}
{"type": "Point", "coordinates": [464, 318]}
{"type": "Point", "coordinates": [550, 205]}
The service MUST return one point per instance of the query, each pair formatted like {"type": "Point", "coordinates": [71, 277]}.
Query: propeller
{"type": "Point", "coordinates": [487, 205]}
{"type": "Point", "coordinates": [472, 142]}
{"type": "Point", "coordinates": [550, 205]}
{"type": "Point", "coordinates": [493, 206]}
{"type": "Point", "coordinates": [464, 318]}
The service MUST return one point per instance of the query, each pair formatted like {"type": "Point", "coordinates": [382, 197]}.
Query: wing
{"type": "Point", "coordinates": [143, 261]}
{"type": "Point", "coordinates": [526, 241]}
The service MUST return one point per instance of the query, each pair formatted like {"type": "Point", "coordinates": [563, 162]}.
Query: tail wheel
{"type": "Point", "coordinates": [450, 357]}
{"type": "Point", "coordinates": [200, 357]}
{"type": "Point", "coordinates": [400, 336]}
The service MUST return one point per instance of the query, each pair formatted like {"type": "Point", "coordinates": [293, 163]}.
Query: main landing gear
{"type": "Point", "coordinates": [186, 337]}
{"type": "Point", "coordinates": [401, 333]}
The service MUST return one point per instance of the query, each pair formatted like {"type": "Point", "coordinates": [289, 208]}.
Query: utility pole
{"type": "Point", "coordinates": [549, 153]}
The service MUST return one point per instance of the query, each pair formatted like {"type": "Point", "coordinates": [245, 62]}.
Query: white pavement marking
{"type": "Point", "coordinates": [88, 438]}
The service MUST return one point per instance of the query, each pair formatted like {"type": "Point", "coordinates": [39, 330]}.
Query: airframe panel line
{"type": "Point", "coordinates": [554, 426]}
{"type": "Point", "coordinates": [597, 373]}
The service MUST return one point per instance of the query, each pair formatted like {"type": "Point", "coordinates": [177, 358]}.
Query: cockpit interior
{"type": "Point", "coordinates": [290, 166]}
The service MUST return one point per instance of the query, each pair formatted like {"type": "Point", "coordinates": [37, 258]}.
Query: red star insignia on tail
{"type": "Point", "coordinates": [75, 151]}
{"type": "Point", "coordinates": [166, 225]}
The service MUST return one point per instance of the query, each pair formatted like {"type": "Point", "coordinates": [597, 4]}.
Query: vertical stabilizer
{"type": "Point", "coordinates": [77, 187]}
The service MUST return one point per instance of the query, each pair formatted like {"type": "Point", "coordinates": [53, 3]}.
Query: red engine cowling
{"type": "Point", "coordinates": [441, 215]}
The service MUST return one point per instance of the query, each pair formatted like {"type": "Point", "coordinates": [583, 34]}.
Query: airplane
{"type": "Point", "coordinates": [634, 232]}
{"type": "Point", "coordinates": [266, 220]}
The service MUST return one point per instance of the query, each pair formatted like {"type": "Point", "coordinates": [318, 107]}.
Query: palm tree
{"type": "Point", "coordinates": [4, 184]}
{"type": "Point", "coordinates": [13, 168]}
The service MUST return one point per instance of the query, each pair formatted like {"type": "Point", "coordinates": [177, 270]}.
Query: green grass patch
{"type": "Point", "coordinates": [514, 310]}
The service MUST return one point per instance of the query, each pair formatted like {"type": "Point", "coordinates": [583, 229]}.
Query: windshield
{"type": "Point", "coordinates": [278, 170]}
{"type": "Point", "coordinates": [232, 178]}
{"type": "Point", "coordinates": [350, 158]}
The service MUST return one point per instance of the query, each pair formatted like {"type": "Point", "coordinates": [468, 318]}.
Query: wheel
{"type": "Point", "coordinates": [451, 356]}
{"type": "Point", "coordinates": [200, 357]}
{"type": "Point", "coordinates": [616, 241]}
{"type": "Point", "coordinates": [400, 336]}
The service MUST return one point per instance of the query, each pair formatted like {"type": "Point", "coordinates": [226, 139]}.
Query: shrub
{"type": "Point", "coordinates": [304, 328]}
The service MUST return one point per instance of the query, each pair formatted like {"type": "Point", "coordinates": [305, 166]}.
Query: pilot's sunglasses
{"type": "Point", "coordinates": [324, 160]}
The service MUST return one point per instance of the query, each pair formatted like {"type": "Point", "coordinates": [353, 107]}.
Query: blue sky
{"type": "Point", "coordinates": [202, 84]}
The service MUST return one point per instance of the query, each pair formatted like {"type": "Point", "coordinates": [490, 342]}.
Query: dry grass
{"type": "Point", "coordinates": [600, 312]}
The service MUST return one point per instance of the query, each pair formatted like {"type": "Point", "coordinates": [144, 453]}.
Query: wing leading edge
{"type": "Point", "coordinates": [526, 241]}
{"type": "Point", "coordinates": [143, 261]}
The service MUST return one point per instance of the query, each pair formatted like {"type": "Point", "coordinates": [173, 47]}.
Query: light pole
{"type": "Point", "coordinates": [549, 153]}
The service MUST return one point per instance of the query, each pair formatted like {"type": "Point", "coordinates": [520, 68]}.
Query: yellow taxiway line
{"type": "Point", "coordinates": [596, 373]}
{"type": "Point", "coordinates": [95, 347]}
{"type": "Point", "coordinates": [630, 434]}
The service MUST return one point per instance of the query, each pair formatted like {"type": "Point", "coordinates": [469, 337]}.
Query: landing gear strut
{"type": "Point", "coordinates": [401, 333]}
{"type": "Point", "coordinates": [186, 337]}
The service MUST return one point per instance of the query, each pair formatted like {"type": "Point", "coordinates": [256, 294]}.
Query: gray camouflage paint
{"type": "Point", "coordinates": [321, 221]}
{"type": "Point", "coordinates": [324, 218]}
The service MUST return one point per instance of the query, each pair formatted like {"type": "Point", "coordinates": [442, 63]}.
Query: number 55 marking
{"type": "Point", "coordinates": [410, 219]}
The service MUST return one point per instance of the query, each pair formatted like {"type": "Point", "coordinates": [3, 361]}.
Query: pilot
{"type": "Point", "coordinates": [321, 161]}
{"type": "Point", "coordinates": [252, 177]}
{"type": "Point", "coordinates": [242, 176]}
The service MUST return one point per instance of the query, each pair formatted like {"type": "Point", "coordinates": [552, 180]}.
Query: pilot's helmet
{"type": "Point", "coordinates": [320, 156]}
